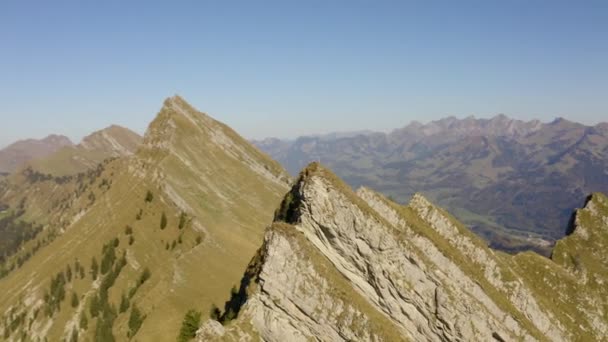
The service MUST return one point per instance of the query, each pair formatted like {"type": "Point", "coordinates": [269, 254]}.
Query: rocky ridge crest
{"type": "Point", "coordinates": [338, 265]}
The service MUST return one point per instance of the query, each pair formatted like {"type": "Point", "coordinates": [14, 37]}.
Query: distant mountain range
{"type": "Point", "coordinates": [23, 151]}
{"type": "Point", "coordinates": [514, 182]}
{"type": "Point", "coordinates": [110, 142]}
{"type": "Point", "coordinates": [57, 155]}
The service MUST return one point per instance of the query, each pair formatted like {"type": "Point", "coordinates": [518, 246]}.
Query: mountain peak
{"type": "Point", "coordinates": [57, 139]}
{"type": "Point", "coordinates": [188, 134]}
{"type": "Point", "coordinates": [316, 169]}
{"type": "Point", "coordinates": [288, 210]}
{"type": "Point", "coordinates": [115, 140]}
{"type": "Point", "coordinates": [178, 103]}
{"type": "Point", "coordinates": [176, 115]}
{"type": "Point", "coordinates": [23, 151]}
{"type": "Point", "coordinates": [560, 121]}
{"type": "Point", "coordinates": [500, 118]}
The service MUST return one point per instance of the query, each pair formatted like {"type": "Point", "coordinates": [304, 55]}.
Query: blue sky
{"type": "Point", "coordinates": [288, 68]}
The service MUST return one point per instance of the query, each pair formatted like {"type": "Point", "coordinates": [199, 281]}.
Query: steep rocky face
{"type": "Point", "coordinates": [23, 151]}
{"type": "Point", "coordinates": [514, 183]}
{"type": "Point", "coordinates": [339, 266]}
{"type": "Point", "coordinates": [169, 227]}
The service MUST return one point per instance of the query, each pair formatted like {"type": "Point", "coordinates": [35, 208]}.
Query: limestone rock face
{"type": "Point", "coordinates": [343, 266]}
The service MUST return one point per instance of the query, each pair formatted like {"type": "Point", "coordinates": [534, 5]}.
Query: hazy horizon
{"type": "Point", "coordinates": [291, 69]}
{"type": "Point", "coordinates": [77, 139]}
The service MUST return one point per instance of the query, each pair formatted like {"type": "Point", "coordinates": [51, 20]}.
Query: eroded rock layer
{"type": "Point", "coordinates": [343, 266]}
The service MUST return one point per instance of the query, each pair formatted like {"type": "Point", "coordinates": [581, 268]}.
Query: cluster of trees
{"type": "Point", "coordinates": [79, 269]}
{"type": "Point", "coordinates": [139, 214]}
{"type": "Point", "coordinates": [14, 232]}
{"type": "Point", "coordinates": [231, 307]}
{"type": "Point", "coordinates": [192, 319]}
{"type": "Point", "coordinates": [163, 221]}
{"type": "Point", "coordinates": [18, 257]}
{"type": "Point", "coordinates": [190, 325]}
{"type": "Point", "coordinates": [105, 313]}
{"type": "Point", "coordinates": [136, 319]}
{"type": "Point", "coordinates": [56, 294]}
{"type": "Point", "coordinates": [182, 220]}
{"type": "Point", "coordinates": [86, 179]}
{"type": "Point", "coordinates": [149, 197]}
{"type": "Point", "coordinates": [129, 233]}
{"type": "Point", "coordinates": [108, 268]}
{"type": "Point", "coordinates": [34, 176]}
{"type": "Point", "coordinates": [99, 305]}
{"type": "Point", "coordinates": [12, 322]}
{"type": "Point", "coordinates": [105, 184]}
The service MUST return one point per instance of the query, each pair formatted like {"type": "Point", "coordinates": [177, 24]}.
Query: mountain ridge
{"type": "Point", "coordinates": [338, 265]}
{"type": "Point", "coordinates": [181, 217]}
{"type": "Point", "coordinates": [111, 142]}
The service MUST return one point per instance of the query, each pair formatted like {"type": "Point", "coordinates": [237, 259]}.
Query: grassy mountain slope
{"type": "Point", "coordinates": [190, 207]}
{"type": "Point", "coordinates": [111, 142]}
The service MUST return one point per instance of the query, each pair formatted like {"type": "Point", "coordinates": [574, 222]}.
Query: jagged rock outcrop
{"type": "Point", "coordinates": [343, 266]}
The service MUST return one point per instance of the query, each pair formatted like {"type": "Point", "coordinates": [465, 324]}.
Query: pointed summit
{"type": "Point", "coordinates": [178, 105]}
{"type": "Point", "coordinates": [189, 137]}
{"type": "Point", "coordinates": [312, 178]}
{"type": "Point", "coordinates": [176, 118]}
{"type": "Point", "coordinates": [177, 100]}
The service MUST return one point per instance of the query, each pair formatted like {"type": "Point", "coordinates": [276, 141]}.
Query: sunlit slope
{"type": "Point", "coordinates": [190, 207]}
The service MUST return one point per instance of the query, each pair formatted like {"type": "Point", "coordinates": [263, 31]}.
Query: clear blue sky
{"type": "Point", "coordinates": [288, 68]}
